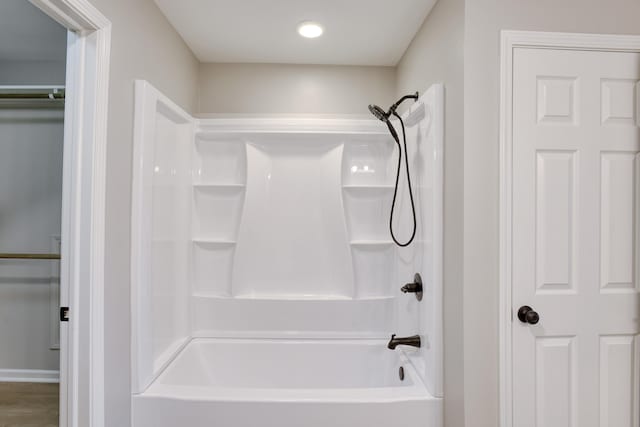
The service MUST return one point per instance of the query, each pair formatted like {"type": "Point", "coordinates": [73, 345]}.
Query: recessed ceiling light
{"type": "Point", "coordinates": [310, 29]}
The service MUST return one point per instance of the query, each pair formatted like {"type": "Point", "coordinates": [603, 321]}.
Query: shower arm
{"type": "Point", "coordinates": [393, 108]}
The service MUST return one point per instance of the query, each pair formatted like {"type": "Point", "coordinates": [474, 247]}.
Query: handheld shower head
{"type": "Point", "coordinates": [383, 116]}
{"type": "Point", "coordinates": [378, 112]}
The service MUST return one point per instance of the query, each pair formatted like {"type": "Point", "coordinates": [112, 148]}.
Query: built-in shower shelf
{"type": "Point", "coordinates": [371, 242]}
{"type": "Point", "coordinates": [218, 185]}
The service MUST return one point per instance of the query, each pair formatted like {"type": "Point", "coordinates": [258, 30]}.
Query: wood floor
{"type": "Point", "coordinates": [28, 405]}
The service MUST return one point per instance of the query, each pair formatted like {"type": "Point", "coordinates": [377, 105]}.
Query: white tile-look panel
{"type": "Point", "coordinates": [555, 221]}
{"type": "Point", "coordinates": [618, 381]}
{"type": "Point", "coordinates": [619, 99]}
{"type": "Point", "coordinates": [556, 382]}
{"type": "Point", "coordinates": [557, 100]}
{"type": "Point", "coordinates": [619, 193]}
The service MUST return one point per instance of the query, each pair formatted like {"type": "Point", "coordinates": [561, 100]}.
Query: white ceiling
{"type": "Point", "coordinates": [27, 34]}
{"type": "Point", "coordinates": [357, 32]}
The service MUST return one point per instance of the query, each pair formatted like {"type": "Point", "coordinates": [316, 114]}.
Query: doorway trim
{"type": "Point", "coordinates": [82, 265]}
{"type": "Point", "coordinates": [510, 40]}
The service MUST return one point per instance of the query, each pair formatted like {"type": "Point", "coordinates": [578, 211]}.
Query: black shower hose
{"type": "Point", "coordinates": [395, 191]}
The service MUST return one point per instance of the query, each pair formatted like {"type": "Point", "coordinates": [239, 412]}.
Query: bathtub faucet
{"type": "Point", "coordinates": [413, 341]}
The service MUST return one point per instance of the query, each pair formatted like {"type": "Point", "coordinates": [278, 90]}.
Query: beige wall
{"type": "Point", "coordinates": [436, 56]}
{"type": "Point", "coordinates": [483, 22]}
{"type": "Point", "coordinates": [143, 46]}
{"type": "Point", "coordinates": [293, 89]}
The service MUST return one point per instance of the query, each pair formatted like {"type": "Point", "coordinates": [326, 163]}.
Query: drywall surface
{"type": "Point", "coordinates": [34, 72]}
{"type": "Point", "coordinates": [293, 89]}
{"type": "Point", "coordinates": [483, 21]}
{"type": "Point", "coordinates": [436, 56]}
{"type": "Point", "coordinates": [144, 46]}
{"type": "Point", "coordinates": [27, 34]}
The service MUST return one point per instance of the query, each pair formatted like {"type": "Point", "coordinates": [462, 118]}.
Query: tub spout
{"type": "Point", "coordinates": [413, 341]}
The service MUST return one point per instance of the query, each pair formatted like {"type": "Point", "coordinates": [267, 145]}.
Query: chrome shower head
{"type": "Point", "coordinates": [378, 112]}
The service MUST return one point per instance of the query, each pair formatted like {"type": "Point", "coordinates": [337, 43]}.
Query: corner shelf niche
{"type": "Point", "coordinates": [220, 161]}
{"type": "Point", "coordinates": [367, 162]}
{"type": "Point", "coordinates": [217, 211]}
{"type": "Point", "coordinates": [373, 268]}
{"type": "Point", "coordinates": [367, 190]}
{"type": "Point", "coordinates": [219, 186]}
{"type": "Point", "coordinates": [212, 261]}
{"type": "Point", "coordinates": [367, 211]}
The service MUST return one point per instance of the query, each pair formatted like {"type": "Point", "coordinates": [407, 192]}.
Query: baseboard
{"type": "Point", "coordinates": [29, 376]}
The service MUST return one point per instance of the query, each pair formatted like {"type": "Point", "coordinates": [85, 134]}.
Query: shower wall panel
{"type": "Point", "coordinates": [160, 225]}
{"type": "Point", "coordinates": [292, 241]}
{"type": "Point", "coordinates": [281, 229]}
{"type": "Point", "coordinates": [299, 243]}
{"type": "Point", "coordinates": [424, 122]}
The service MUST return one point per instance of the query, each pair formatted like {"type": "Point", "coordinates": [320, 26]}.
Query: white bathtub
{"type": "Point", "coordinates": [287, 383]}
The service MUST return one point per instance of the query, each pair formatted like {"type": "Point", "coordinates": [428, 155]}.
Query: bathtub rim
{"type": "Point", "coordinates": [416, 391]}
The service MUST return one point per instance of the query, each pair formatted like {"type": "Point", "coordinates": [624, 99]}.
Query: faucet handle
{"type": "Point", "coordinates": [415, 287]}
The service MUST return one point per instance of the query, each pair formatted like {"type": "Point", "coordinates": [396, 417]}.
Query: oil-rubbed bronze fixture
{"type": "Point", "coordinates": [413, 341]}
{"type": "Point", "coordinates": [415, 287]}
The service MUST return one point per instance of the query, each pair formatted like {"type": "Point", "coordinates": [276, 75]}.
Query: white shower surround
{"type": "Point", "coordinates": [260, 237]}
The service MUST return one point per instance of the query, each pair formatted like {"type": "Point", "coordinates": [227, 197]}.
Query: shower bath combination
{"type": "Point", "coordinates": [383, 116]}
{"type": "Point", "coordinates": [232, 278]}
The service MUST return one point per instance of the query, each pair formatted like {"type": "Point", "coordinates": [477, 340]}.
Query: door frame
{"type": "Point", "coordinates": [510, 40]}
{"type": "Point", "coordinates": [83, 209]}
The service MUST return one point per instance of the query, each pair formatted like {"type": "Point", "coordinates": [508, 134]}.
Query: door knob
{"type": "Point", "coordinates": [526, 314]}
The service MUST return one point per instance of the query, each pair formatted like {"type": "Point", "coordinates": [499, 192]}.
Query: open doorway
{"type": "Point", "coordinates": [53, 112]}
{"type": "Point", "coordinates": [32, 89]}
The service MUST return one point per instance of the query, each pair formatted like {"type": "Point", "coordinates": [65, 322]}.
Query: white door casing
{"type": "Point", "coordinates": [83, 210]}
{"type": "Point", "coordinates": [570, 212]}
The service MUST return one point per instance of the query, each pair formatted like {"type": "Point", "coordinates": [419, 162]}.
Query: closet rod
{"type": "Point", "coordinates": [54, 93]}
{"type": "Point", "coordinates": [52, 96]}
{"type": "Point", "coordinates": [29, 256]}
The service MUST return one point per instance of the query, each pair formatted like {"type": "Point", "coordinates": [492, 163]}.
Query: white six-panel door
{"type": "Point", "coordinates": [575, 238]}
